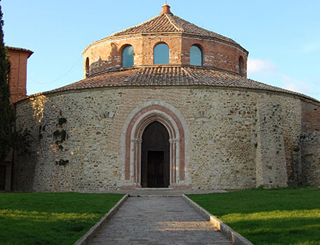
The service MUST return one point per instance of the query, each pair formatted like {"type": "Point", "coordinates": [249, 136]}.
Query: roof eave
{"type": "Point", "coordinates": [20, 50]}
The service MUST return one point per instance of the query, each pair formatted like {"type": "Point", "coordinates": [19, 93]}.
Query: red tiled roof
{"type": "Point", "coordinates": [170, 76]}
{"type": "Point", "coordinates": [20, 49]}
{"type": "Point", "coordinates": [169, 23]}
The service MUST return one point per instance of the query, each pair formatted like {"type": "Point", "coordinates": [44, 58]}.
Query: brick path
{"type": "Point", "coordinates": [158, 220]}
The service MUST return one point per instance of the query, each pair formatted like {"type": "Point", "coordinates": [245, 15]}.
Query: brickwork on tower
{"type": "Point", "coordinates": [310, 143]}
{"type": "Point", "coordinates": [18, 58]}
{"type": "Point", "coordinates": [17, 79]}
{"type": "Point", "coordinates": [218, 51]}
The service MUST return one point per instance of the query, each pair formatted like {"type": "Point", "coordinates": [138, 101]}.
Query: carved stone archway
{"type": "Point", "coordinates": [137, 122]}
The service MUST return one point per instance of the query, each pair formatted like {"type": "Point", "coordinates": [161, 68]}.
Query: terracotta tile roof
{"type": "Point", "coordinates": [170, 76]}
{"type": "Point", "coordinates": [20, 49]}
{"type": "Point", "coordinates": [171, 24]}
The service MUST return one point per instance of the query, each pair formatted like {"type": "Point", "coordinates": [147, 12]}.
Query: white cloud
{"type": "Point", "coordinates": [311, 47]}
{"type": "Point", "coordinates": [264, 67]}
{"type": "Point", "coordinates": [291, 87]}
{"type": "Point", "coordinates": [268, 71]}
{"type": "Point", "coordinates": [295, 85]}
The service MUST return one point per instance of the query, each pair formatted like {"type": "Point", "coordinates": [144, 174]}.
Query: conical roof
{"type": "Point", "coordinates": [171, 76]}
{"type": "Point", "coordinates": [166, 22]}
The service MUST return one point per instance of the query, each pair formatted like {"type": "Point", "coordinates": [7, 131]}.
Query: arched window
{"type": "Point", "coordinates": [195, 56]}
{"type": "Point", "coordinates": [161, 54]}
{"type": "Point", "coordinates": [127, 56]}
{"type": "Point", "coordinates": [87, 66]}
{"type": "Point", "coordinates": [241, 66]}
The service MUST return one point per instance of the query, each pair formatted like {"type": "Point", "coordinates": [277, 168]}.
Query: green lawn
{"type": "Point", "coordinates": [50, 218]}
{"type": "Point", "coordinates": [269, 217]}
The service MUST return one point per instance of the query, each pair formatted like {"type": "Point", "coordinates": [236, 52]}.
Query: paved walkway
{"type": "Point", "coordinates": [158, 220]}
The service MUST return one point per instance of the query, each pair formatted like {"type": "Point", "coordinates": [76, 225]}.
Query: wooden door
{"type": "Point", "coordinates": [155, 172]}
{"type": "Point", "coordinates": [155, 160]}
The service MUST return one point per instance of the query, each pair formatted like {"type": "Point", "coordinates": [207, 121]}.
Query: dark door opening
{"type": "Point", "coordinates": [2, 177]}
{"type": "Point", "coordinates": [155, 175]}
{"type": "Point", "coordinates": [155, 161]}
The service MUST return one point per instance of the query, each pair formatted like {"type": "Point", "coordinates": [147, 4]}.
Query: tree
{"type": "Point", "coordinates": [6, 112]}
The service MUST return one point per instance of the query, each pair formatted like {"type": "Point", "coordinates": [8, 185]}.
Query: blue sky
{"type": "Point", "coordinates": [282, 36]}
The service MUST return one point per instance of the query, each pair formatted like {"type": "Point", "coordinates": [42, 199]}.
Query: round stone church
{"type": "Point", "coordinates": [167, 104]}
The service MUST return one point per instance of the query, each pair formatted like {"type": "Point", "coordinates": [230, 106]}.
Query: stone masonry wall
{"type": "Point", "coordinates": [276, 122]}
{"type": "Point", "coordinates": [226, 131]}
{"type": "Point", "coordinates": [310, 143]}
{"type": "Point", "coordinates": [222, 139]}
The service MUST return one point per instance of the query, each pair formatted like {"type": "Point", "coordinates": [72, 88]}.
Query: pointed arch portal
{"type": "Point", "coordinates": [155, 148]}
{"type": "Point", "coordinates": [155, 159]}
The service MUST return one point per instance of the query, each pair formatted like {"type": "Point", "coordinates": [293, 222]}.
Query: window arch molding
{"type": "Point", "coordinates": [161, 54]}
{"type": "Point", "coordinates": [196, 55]}
{"type": "Point", "coordinates": [127, 55]}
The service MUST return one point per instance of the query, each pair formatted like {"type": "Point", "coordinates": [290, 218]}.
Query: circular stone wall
{"type": "Point", "coordinates": [221, 138]}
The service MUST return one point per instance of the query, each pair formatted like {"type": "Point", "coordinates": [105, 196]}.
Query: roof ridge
{"type": "Point", "coordinates": [169, 23]}
{"type": "Point", "coordinates": [180, 28]}
{"type": "Point", "coordinates": [207, 32]}
{"type": "Point", "coordinates": [186, 71]}
{"type": "Point", "coordinates": [189, 74]}
{"type": "Point", "coordinates": [119, 32]}
{"type": "Point", "coordinates": [176, 23]}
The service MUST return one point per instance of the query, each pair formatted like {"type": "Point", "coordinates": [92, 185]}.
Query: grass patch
{"type": "Point", "coordinates": [50, 218]}
{"type": "Point", "coordinates": [269, 217]}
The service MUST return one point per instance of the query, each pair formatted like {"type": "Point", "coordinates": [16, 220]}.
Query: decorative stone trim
{"type": "Point", "coordinates": [133, 135]}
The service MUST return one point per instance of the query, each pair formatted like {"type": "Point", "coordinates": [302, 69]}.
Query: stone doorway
{"type": "Point", "coordinates": [155, 156]}
{"type": "Point", "coordinates": [135, 158]}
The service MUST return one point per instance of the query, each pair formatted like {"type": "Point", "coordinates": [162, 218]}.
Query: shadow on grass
{"type": "Point", "coordinates": [279, 216]}
{"type": "Point", "coordinates": [280, 230]}
{"type": "Point", "coordinates": [46, 230]}
{"type": "Point", "coordinates": [47, 218]}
